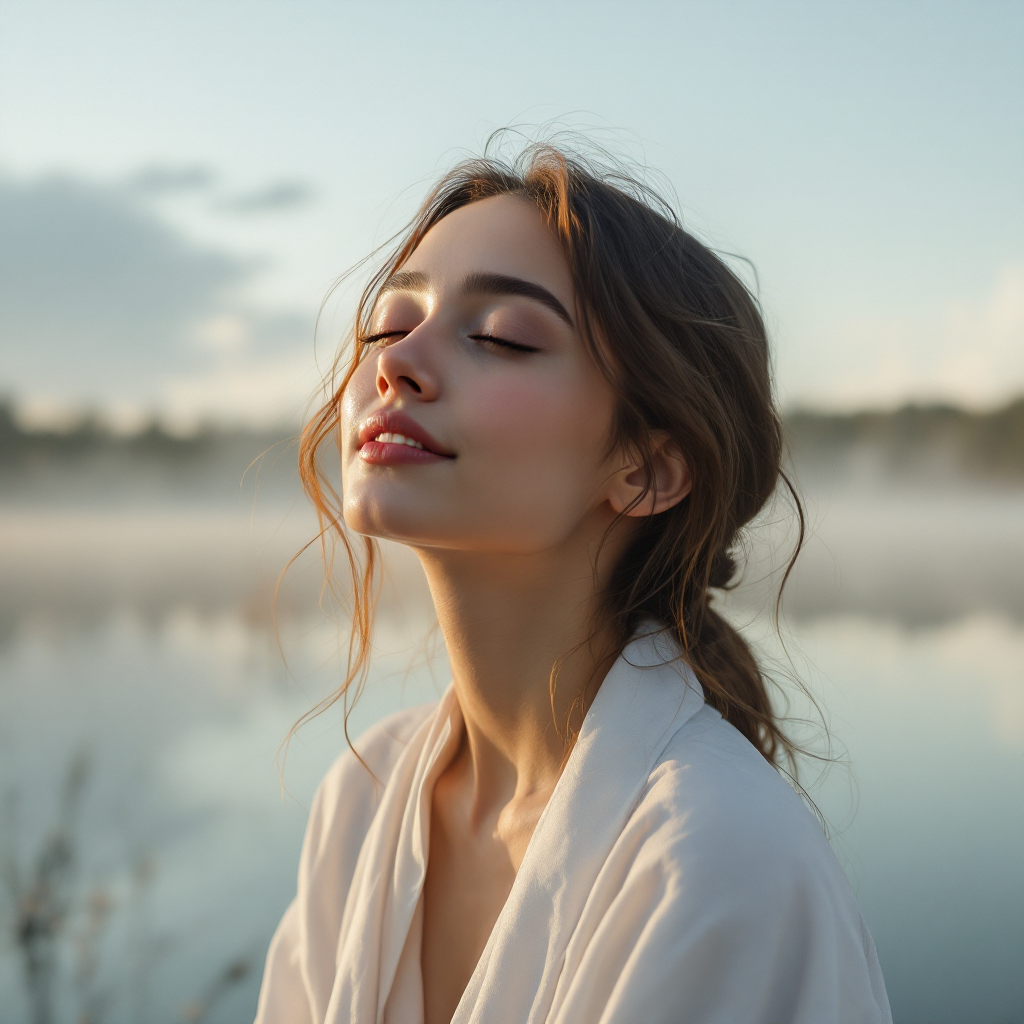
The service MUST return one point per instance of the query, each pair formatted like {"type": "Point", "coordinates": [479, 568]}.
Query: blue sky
{"type": "Point", "coordinates": [181, 181]}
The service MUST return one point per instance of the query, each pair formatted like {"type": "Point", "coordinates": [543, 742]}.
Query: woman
{"type": "Point", "coordinates": [561, 401]}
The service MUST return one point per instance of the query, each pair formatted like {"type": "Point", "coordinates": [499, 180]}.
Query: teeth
{"type": "Point", "coordinates": [398, 439]}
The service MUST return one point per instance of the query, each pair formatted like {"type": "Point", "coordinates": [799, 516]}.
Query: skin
{"type": "Point", "coordinates": [508, 532]}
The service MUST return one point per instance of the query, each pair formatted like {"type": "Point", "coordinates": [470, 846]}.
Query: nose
{"type": "Point", "coordinates": [403, 368]}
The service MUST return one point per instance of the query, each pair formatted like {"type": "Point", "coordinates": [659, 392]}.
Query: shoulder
{"type": "Point", "coordinates": [364, 769]}
{"type": "Point", "coordinates": [301, 962]}
{"type": "Point", "coordinates": [373, 754]}
{"type": "Point", "coordinates": [716, 805]}
{"type": "Point", "coordinates": [731, 841]}
{"type": "Point", "coordinates": [744, 900]}
{"type": "Point", "coordinates": [350, 791]}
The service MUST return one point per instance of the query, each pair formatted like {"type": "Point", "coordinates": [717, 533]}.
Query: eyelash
{"type": "Point", "coordinates": [502, 343]}
{"type": "Point", "coordinates": [485, 338]}
{"type": "Point", "coordinates": [372, 339]}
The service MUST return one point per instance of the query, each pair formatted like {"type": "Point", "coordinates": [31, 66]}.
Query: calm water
{"type": "Point", "coordinates": [138, 657]}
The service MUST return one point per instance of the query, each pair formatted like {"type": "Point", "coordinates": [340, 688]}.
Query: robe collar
{"type": "Point", "coordinates": [647, 696]}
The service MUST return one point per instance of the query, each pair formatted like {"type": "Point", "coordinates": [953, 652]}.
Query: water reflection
{"type": "Point", "coordinates": [142, 641]}
{"type": "Point", "coordinates": [181, 720]}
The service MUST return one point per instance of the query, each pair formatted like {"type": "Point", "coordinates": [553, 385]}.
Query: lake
{"type": "Point", "coordinates": [146, 688]}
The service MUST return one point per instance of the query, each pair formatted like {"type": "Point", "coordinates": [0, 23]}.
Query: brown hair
{"type": "Point", "coordinates": [682, 342]}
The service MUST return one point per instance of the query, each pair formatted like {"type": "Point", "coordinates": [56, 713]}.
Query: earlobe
{"type": "Point", "coordinates": [670, 481]}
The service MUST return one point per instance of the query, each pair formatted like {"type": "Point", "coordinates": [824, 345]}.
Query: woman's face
{"type": "Point", "coordinates": [477, 420]}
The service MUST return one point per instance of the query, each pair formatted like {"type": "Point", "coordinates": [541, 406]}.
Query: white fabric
{"type": "Point", "coordinates": [674, 876]}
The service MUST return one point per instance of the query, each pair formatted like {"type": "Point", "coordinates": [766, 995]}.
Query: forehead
{"type": "Point", "coordinates": [504, 235]}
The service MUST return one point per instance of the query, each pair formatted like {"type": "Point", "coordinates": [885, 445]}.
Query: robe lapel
{"type": "Point", "coordinates": [389, 874]}
{"type": "Point", "coordinates": [646, 697]}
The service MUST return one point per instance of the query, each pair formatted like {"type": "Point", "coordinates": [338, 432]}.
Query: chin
{"type": "Point", "coordinates": [415, 530]}
{"type": "Point", "coordinates": [433, 520]}
{"type": "Point", "coordinates": [401, 525]}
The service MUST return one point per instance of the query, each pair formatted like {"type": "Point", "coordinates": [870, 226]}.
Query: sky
{"type": "Point", "coordinates": [181, 182]}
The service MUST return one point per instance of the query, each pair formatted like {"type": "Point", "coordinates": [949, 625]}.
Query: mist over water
{"type": "Point", "coordinates": [172, 213]}
{"type": "Point", "coordinates": [141, 661]}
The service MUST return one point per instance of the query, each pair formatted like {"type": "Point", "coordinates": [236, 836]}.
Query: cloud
{"type": "Point", "coordinates": [971, 350]}
{"type": "Point", "coordinates": [251, 392]}
{"type": "Point", "coordinates": [104, 304]}
{"type": "Point", "coordinates": [276, 197]}
{"type": "Point", "coordinates": [982, 343]}
{"type": "Point", "coordinates": [161, 179]}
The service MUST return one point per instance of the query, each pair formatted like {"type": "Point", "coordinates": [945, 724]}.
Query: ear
{"type": "Point", "coordinates": [671, 480]}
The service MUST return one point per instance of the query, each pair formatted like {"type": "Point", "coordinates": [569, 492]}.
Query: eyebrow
{"type": "Point", "coordinates": [483, 284]}
{"type": "Point", "coordinates": [405, 281]}
{"type": "Point", "coordinates": [501, 284]}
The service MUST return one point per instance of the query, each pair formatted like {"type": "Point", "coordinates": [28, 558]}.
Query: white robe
{"type": "Point", "coordinates": [674, 876]}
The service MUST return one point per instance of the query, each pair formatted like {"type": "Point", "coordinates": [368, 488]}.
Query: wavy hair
{"type": "Point", "coordinates": [682, 343]}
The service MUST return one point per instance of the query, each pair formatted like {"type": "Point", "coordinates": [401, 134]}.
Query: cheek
{"type": "Point", "coordinates": [360, 392]}
{"type": "Point", "coordinates": [539, 439]}
{"type": "Point", "coordinates": [363, 384]}
{"type": "Point", "coordinates": [520, 420]}
{"type": "Point", "coordinates": [358, 397]}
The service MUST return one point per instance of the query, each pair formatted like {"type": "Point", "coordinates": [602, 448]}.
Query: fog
{"type": "Point", "coordinates": [143, 653]}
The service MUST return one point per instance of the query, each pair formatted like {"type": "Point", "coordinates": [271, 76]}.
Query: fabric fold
{"type": "Point", "coordinates": [673, 875]}
{"type": "Point", "coordinates": [390, 873]}
{"type": "Point", "coordinates": [646, 698]}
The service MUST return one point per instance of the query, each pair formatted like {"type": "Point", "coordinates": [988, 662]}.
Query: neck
{"type": "Point", "coordinates": [508, 621]}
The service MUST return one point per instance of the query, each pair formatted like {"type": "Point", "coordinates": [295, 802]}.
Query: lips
{"type": "Point", "coordinates": [393, 438]}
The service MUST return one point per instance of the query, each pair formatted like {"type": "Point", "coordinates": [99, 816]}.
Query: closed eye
{"type": "Point", "coordinates": [491, 339]}
{"type": "Point", "coordinates": [486, 339]}
{"type": "Point", "coordinates": [372, 339]}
